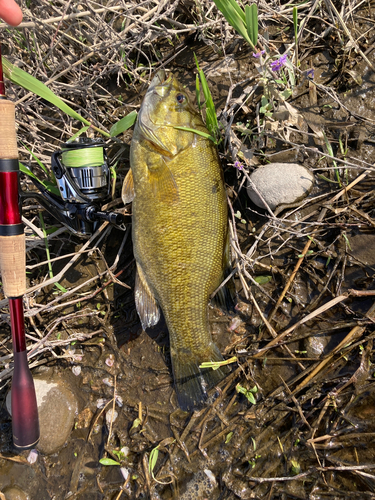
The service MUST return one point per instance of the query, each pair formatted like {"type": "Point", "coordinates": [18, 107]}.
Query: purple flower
{"type": "Point", "coordinates": [258, 54]}
{"type": "Point", "coordinates": [238, 165]}
{"type": "Point", "coordinates": [279, 63]}
{"type": "Point", "coordinates": [310, 73]}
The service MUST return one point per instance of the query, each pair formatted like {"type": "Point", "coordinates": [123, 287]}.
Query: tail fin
{"type": "Point", "coordinates": [193, 383]}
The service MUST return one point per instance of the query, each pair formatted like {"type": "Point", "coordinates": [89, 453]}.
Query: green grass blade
{"type": "Point", "coordinates": [199, 132]}
{"type": "Point", "coordinates": [251, 13]}
{"type": "Point", "coordinates": [198, 92]}
{"type": "Point", "coordinates": [47, 184]}
{"type": "Point", "coordinates": [153, 459]}
{"type": "Point", "coordinates": [211, 119]}
{"type": "Point", "coordinates": [235, 17]}
{"type": "Point", "coordinates": [230, 7]}
{"type": "Point", "coordinates": [123, 124]}
{"type": "Point", "coordinates": [45, 169]}
{"type": "Point", "coordinates": [295, 21]}
{"type": "Point", "coordinates": [80, 132]}
{"type": "Point", "coordinates": [61, 288]}
{"type": "Point", "coordinates": [28, 82]}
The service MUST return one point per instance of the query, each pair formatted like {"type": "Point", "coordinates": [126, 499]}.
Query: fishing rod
{"type": "Point", "coordinates": [25, 421]}
{"type": "Point", "coordinates": [83, 184]}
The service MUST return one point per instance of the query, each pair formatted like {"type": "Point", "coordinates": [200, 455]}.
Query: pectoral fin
{"type": "Point", "coordinates": [127, 193]}
{"type": "Point", "coordinates": [163, 183]}
{"type": "Point", "coordinates": [145, 302]}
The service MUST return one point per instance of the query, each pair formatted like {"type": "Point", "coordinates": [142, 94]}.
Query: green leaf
{"type": "Point", "coordinates": [321, 176]}
{"type": "Point", "coordinates": [108, 461]}
{"type": "Point", "coordinates": [60, 287]}
{"type": "Point", "coordinates": [153, 459]}
{"type": "Point", "coordinates": [248, 393]}
{"type": "Point", "coordinates": [251, 13]}
{"type": "Point", "coordinates": [347, 241]}
{"type": "Point", "coordinates": [228, 437]}
{"type": "Point", "coordinates": [123, 124]}
{"type": "Point", "coordinates": [262, 280]}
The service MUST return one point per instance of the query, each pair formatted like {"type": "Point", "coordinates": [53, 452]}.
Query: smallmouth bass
{"type": "Point", "coordinates": [180, 232]}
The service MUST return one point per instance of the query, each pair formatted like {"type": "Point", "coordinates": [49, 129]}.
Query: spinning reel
{"type": "Point", "coordinates": [83, 175]}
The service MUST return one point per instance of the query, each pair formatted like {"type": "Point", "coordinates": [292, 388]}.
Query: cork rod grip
{"type": "Point", "coordinates": [8, 140]}
{"type": "Point", "coordinates": [12, 265]}
{"type": "Point", "coordinates": [12, 238]}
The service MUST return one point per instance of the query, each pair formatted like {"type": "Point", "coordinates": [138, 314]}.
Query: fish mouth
{"type": "Point", "coordinates": [158, 79]}
{"type": "Point", "coordinates": [161, 83]}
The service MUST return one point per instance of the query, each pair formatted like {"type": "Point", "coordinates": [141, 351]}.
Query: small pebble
{"type": "Point", "coordinates": [76, 370]}
{"type": "Point", "coordinates": [235, 323]}
{"type": "Point", "coordinates": [101, 403]}
{"type": "Point", "coordinates": [33, 456]}
{"type": "Point", "coordinates": [119, 401]}
{"type": "Point", "coordinates": [125, 472]}
{"type": "Point", "coordinates": [108, 382]}
{"type": "Point", "coordinates": [111, 416]}
{"type": "Point", "coordinates": [315, 345]}
{"type": "Point", "coordinates": [280, 184]}
{"type": "Point", "coordinates": [110, 360]}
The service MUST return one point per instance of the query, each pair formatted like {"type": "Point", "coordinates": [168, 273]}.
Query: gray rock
{"type": "Point", "coordinates": [280, 184]}
{"type": "Point", "coordinates": [315, 345]}
{"type": "Point", "coordinates": [57, 407]}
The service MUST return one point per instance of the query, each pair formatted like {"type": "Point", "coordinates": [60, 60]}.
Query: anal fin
{"type": "Point", "coordinates": [145, 302]}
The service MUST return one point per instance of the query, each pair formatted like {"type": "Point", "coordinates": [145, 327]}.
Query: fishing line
{"type": "Point", "coordinates": [83, 157]}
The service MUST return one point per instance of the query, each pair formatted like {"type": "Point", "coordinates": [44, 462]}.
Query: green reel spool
{"type": "Point", "coordinates": [85, 160]}
{"type": "Point", "coordinates": [83, 157]}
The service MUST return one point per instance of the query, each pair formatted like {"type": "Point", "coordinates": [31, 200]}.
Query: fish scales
{"type": "Point", "coordinates": [180, 233]}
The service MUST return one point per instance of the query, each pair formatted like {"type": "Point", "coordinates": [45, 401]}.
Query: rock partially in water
{"type": "Point", "coordinates": [315, 345]}
{"type": "Point", "coordinates": [15, 493]}
{"type": "Point", "coordinates": [280, 184]}
{"type": "Point", "coordinates": [57, 407]}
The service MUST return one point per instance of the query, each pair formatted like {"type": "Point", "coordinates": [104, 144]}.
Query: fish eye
{"type": "Point", "coordinates": [180, 98]}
